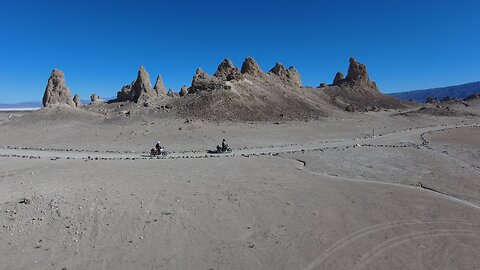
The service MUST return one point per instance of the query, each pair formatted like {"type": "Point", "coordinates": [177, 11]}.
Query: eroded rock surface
{"type": "Point", "coordinates": [290, 75]}
{"type": "Point", "coordinates": [77, 101]}
{"type": "Point", "coordinates": [140, 91]}
{"type": "Point", "coordinates": [160, 86]}
{"type": "Point", "coordinates": [57, 91]}
{"type": "Point", "coordinates": [204, 82]}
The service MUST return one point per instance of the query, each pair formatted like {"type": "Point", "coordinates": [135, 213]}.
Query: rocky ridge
{"type": "Point", "coordinates": [251, 94]}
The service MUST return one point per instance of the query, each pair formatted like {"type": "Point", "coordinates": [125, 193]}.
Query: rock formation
{"type": "Point", "coordinates": [226, 71]}
{"type": "Point", "coordinates": [140, 91]}
{"type": "Point", "coordinates": [77, 101]}
{"type": "Point", "coordinates": [235, 75]}
{"type": "Point", "coordinates": [358, 75]}
{"type": "Point", "coordinates": [350, 108]}
{"type": "Point", "coordinates": [339, 77]}
{"type": "Point", "coordinates": [183, 91]}
{"type": "Point", "coordinates": [203, 82]}
{"type": "Point", "coordinates": [142, 88]}
{"type": "Point", "coordinates": [251, 67]}
{"type": "Point", "coordinates": [125, 93]}
{"type": "Point", "coordinates": [94, 98]}
{"type": "Point", "coordinates": [358, 91]}
{"type": "Point", "coordinates": [170, 93]}
{"type": "Point", "coordinates": [57, 91]}
{"type": "Point", "coordinates": [295, 77]}
{"type": "Point", "coordinates": [160, 87]}
{"type": "Point", "coordinates": [279, 70]}
{"type": "Point", "coordinates": [290, 75]}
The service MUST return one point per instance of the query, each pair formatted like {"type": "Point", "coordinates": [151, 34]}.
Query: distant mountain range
{"type": "Point", "coordinates": [20, 106]}
{"type": "Point", "coordinates": [30, 105]}
{"type": "Point", "coordinates": [458, 91]}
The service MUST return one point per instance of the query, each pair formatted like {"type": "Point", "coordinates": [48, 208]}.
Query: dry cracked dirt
{"type": "Point", "coordinates": [323, 194]}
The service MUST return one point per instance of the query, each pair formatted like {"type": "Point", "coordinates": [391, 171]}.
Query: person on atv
{"type": "Point", "coordinates": [223, 148]}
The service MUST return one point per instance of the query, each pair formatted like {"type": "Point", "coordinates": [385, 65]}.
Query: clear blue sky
{"type": "Point", "coordinates": [100, 44]}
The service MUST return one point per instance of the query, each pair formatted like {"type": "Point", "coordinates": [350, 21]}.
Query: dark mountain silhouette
{"type": "Point", "coordinates": [458, 91]}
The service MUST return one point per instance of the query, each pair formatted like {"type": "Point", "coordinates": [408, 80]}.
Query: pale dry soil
{"type": "Point", "coordinates": [93, 133]}
{"type": "Point", "coordinates": [386, 202]}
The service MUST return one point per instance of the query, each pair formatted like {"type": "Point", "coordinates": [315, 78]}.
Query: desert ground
{"type": "Point", "coordinates": [369, 190]}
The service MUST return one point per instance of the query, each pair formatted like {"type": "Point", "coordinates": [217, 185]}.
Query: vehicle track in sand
{"type": "Point", "coordinates": [403, 239]}
{"type": "Point", "coordinates": [415, 225]}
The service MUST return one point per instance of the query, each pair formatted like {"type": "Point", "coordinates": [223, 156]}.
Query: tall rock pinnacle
{"type": "Point", "coordinates": [339, 77]}
{"type": "Point", "coordinates": [142, 87]}
{"type": "Point", "coordinates": [140, 91]}
{"type": "Point", "coordinates": [160, 87]}
{"type": "Point", "coordinates": [357, 74]}
{"type": "Point", "coordinates": [77, 101]}
{"type": "Point", "coordinates": [226, 71]}
{"type": "Point", "coordinates": [57, 91]}
{"type": "Point", "coordinates": [251, 67]}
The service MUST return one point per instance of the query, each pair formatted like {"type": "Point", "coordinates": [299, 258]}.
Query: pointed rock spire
{"type": "Point", "coordinates": [200, 73]}
{"type": "Point", "coordinates": [226, 71]}
{"type": "Point", "coordinates": [77, 101]}
{"type": "Point", "coordinates": [57, 91]}
{"type": "Point", "coordinates": [142, 88]}
{"type": "Point", "coordinates": [295, 77]}
{"type": "Point", "coordinates": [251, 67]}
{"type": "Point", "coordinates": [279, 70]}
{"type": "Point", "coordinates": [160, 87]}
{"type": "Point", "coordinates": [140, 91]}
{"type": "Point", "coordinates": [290, 75]}
{"type": "Point", "coordinates": [339, 77]}
{"type": "Point", "coordinates": [183, 91]}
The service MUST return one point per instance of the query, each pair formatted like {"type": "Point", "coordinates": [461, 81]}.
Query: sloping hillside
{"type": "Point", "coordinates": [250, 94]}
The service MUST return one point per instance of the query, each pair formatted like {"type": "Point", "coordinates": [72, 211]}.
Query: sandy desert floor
{"type": "Point", "coordinates": [80, 193]}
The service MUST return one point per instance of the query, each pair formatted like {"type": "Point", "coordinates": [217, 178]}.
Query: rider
{"type": "Point", "coordinates": [223, 148]}
{"type": "Point", "coordinates": [224, 145]}
{"type": "Point", "coordinates": [158, 147]}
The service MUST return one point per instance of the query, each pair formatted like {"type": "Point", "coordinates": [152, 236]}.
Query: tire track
{"type": "Point", "coordinates": [399, 240]}
{"type": "Point", "coordinates": [349, 239]}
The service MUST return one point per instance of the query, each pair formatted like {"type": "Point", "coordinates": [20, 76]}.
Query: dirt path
{"type": "Point", "coordinates": [401, 138]}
